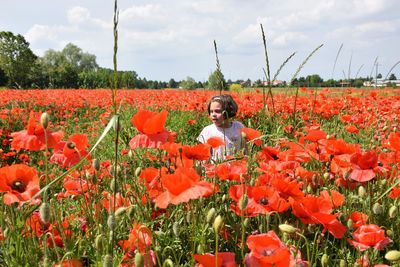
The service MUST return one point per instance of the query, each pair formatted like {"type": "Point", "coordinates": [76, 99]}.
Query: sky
{"type": "Point", "coordinates": [164, 39]}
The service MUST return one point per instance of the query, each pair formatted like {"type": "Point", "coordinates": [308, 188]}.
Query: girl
{"type": "Point", "coordinates": [221, 109]}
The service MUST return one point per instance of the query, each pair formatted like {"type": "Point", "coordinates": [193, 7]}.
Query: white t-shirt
{"type": "Point", "coordinates": [231, 135]}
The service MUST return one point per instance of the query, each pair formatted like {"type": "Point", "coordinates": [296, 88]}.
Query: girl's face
{"type": "Point", "coordinates": [217, 116]}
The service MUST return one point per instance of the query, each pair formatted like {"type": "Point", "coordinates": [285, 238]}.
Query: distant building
{"type": "Point", "coordinates": [382, 83]}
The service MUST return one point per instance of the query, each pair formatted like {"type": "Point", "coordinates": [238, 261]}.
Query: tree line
{"type": "Point", "coordinates": [72, 68]}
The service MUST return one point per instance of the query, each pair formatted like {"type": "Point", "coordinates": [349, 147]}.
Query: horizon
{"type": "Point", "coordinates": [160, 40]}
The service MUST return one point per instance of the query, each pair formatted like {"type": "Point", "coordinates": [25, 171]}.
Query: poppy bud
{"type": "Point", "coordinates": [389, 233]}
{"type": "Point", "coordinates": [96, 164]}
{"type": "Point", "coordinates": [309, 189]}
{"type": "Point", "coordinates": [350, 224]}
{"type": "Point", "coordinates": [117, 125]}
{"type": "Point", "coordinates": [324, 260]}
{"type": "Point", "coordinates": [361, 191]}
{"type": "Point", "coordinates": [113, 186]}
{"type": "Point", "coordinates": [130, 153]}
{"type": "Point", "coordinates": [244, 136]}
{"type": "Point", "coordinates": [210, 215]}
{"type": "Point", "coordinates": [393, 211]}
{"type": "Point", "coordinates": [377, 209]}
{"type": "Point", "coordinates": [223, 198]}
{"type": "Point", "coordinates": [107, 261]}
{"type": "Point", "coordinates": [393, 255]}
{"type": "Point", "coordinates": [168, 263]}
{"type": "Point", "coordinates": [120, 211]}
{"type": "Point", "coordinates": [246, 222]}
{"type": "Point", "coordinates": [200, 249]}
{"type": "Point", "coordinates": [44, 120]}
{"type": "Point", "coordinates": [176, 229]}
{"type": "Point", "coordinates": [139, 260]}
{"type": "Point", "coordinates": [384, 128]}
{"type": "Point", "coordinates": [131, 211]}
{"type": "Point", "coordinates": [342, 263]}
{"type": "Point", "coordinates": [100, 242]}
{"type": "Point", "coordinates": [138, 171]}
{"type": "Point", "coordinates": [46, 262]}
{"type": "Point", "coordinates": [111, 222]}
{"type": "Point", "coordinates": [287, 228]}
{"type": "Point", "coordinates": [44, 212]}
{"type": "Point", "coordinates": [188, 217]}
{"type": "Point", "coordinates": [217, 225]}
{"type": "Point", "coordinates": [326, 175]}
{"type": "Point", "coordinates": [243, 202]}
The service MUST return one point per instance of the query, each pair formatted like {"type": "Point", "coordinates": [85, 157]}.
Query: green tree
{"type": "Point", "coordinates": [314, 80]}
{"type": "Point", "coordinates": [16, 59]}
{"type": "Point", "coordinates": [216, 81]}
{"type": "Point", "coordinates": [172, 83]}
{"type": "Point", "coordinates": [392, 77]}
{"type": "Point", "coordinates": [189, 83]}
{"type": "Point", "coordinates": [379, 76]}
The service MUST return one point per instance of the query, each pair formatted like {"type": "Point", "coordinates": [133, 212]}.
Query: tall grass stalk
{"type": "Point", "coordinates": [219, 73]}
{"type": "Point", "coordinates": [267, 74]}
{"type": "Point", "coordinates": [297, 88]}
{"type": "Point", "coordinates": [336, 59]}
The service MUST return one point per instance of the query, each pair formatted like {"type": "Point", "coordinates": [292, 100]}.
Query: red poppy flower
{"type": "Point", "coordinates": [369, 235]}
{"type": "Point", "coordinates": [232, 170]}
{"type": "Point", "coordinates": [358, 218]}
{"type": "Point", "coordinates": [69, 263]}
{"type": "Point", "coordinates": [215, 142]}
{"type": "Point", "coordinates": [352, 129]}
{"type": "Point", "coordinates": [69, 153]}
{"type": "Point", "coordinates": [252, 135]}
{"type": "Point", "coordinates": [182, 186]}
{"type": "Point", "coordinates": [33, 138]}
{"type": "Point", "coordinates": [150, 126]}
{"type": "Point", "coordinates": [363, 164]}
{"type": "Point", "coordinates": [20, 182]}
{"type": "Point", "coordinates": [315, 135]}
{"type": "Point", "coordinates": [198, 152]}
{"type": "Point", "coordinates": [393, 142]}
{"type": "Point", "coordinates": [224, 259]}
{"type": "Point", "coordinates": [140, 237]}
{"type": "Point", "coordinates": [267, 250]}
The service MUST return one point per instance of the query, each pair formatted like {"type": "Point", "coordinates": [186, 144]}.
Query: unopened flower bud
{"type": "Point", "coordinates": [44, 120]}
{"type": "Point", "coordinates": [113, 186]}
{"type": "Point", "coordinates": [218, 222]}
{"type": "Point", "coordinates": [393, 211]}
{"type": "Point", "coordinates": [107, 261]}
{"type": "Point", "coordinates": [168, 263]}
{"type": "Point", "coordinates": [361, 191]}
{"type": "Point", "coordinates": [130, 153]}
{"type": "Point", "coordinates": [243, 202]}
{"type": "Point", "coordinates": [176, 228]}
{"type": "Point", "coordinates": [324, 260]}
{"type": "Point", "coordinates": [200, 249]}
{"type": "Point", "coordinates": [393, 255]}
{"type": "Point", "coordinates": [139, 260]}
{"type": "Point", "coordinates": [326, 175]}
{"type": "Point", "coordinates": [117, 125]}
{"type": "Point", "coordinates": [138, 171]}
{"type": "Point", "coordinates": [287, 228]}
{"type": "Point", "coordinates": [111, 222]}
{"type": "Point", "coordinates": [350, 224]}
{"type": "Point", "coordinates": [377, 209]}
{"type": "Point", "coordinates": [100, 242]}
{"type": "Point", "coordinates": [342, 263]}
{"type": "Point", "coordinates": [46, 262]}
{"type": "Point", "coordinates": [120, 212]}
{"type": "Point", "coordinates": [44, 212]}
{"type": "Point", "coordinates": [211, 215]}
{"type": "Point", "coordinates": [96, 164]}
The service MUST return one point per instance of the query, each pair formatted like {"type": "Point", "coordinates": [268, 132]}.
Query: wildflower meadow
{"type": "Point", "coordinates": [117, 178]}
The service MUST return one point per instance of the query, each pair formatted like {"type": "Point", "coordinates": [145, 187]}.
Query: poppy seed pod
{"type": "Point", "coordinates": [218, 222]}
{"type": "Point", "coordinates": [139, 260]}
{"type": "Point", "coordinates": [44, 120]}
{"type": "Point", "coordinates": [393, 255]}
{"type": "Point", "coordinates": [44, 212]}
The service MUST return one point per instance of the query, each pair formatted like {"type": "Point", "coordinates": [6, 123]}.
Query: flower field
{"type": "Point", "coordinates": [85, 181]}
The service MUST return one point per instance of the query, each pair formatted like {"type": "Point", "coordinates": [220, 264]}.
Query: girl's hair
{"type": "Point", "coordinates": [229, 105]}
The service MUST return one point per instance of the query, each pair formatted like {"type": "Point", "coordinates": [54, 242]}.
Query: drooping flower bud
{"type": "Point", "coordinates": [218, 222]}
{"type": "Point", "coordinates": [139, 260]}
{"type": "Point", "coordinates": [243, 202]}
{"type": "Point", "coordinates": [96, 164]}
{"type": "Point", "coordinates": [211, 215]}
{"type": "Point", "coordinates": [361, 191]}
{"type": "Point", "coordinates": [325, 260]}
{"type": "Point", "coordinates": [377, 209]}
{"type": "Point", "coordinates": [44, 120]}
{"type": "Point", "coordinates": [44, 212]}
{"type": "Point", "coordinates": [393, 255]}
{"type": "Point", "coordinates": [100, 242]}
{"type": "Point", "coordinates": [393, 211]}
{"type": "Point", "coordinates": [287, 228]}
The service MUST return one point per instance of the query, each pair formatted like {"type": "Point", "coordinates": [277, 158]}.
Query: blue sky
{"type": "Point", "coordinates": [163, 39]}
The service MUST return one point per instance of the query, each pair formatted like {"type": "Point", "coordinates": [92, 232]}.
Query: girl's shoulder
{"type": "Point", "coordinates": [237, 125]}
